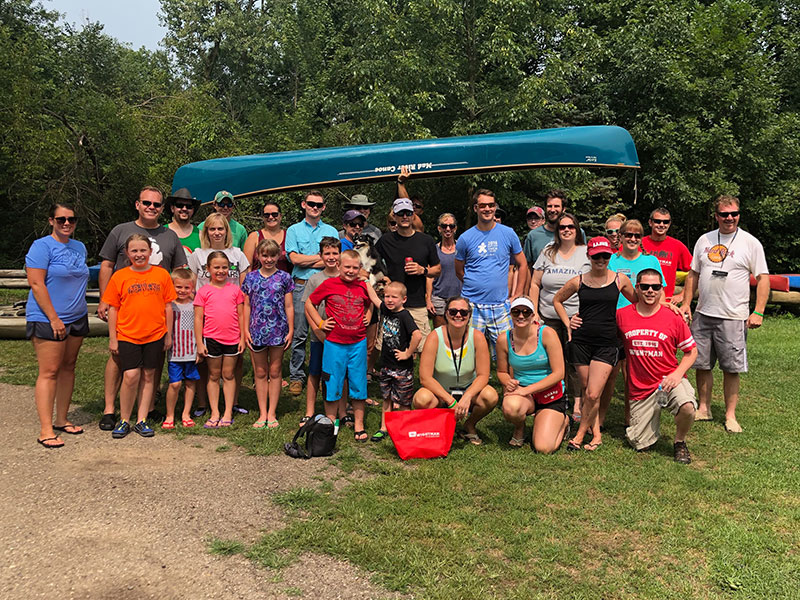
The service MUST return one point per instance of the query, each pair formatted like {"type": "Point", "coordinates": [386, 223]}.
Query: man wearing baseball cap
{"type": "Point", "coordinates": [363, 205]}
{"type": "Point", "coordinates": [224, 203]}
{"type": "Point", "coordinates": [535, 217]}
{"type": "Point", "coordinates": [410, 258]}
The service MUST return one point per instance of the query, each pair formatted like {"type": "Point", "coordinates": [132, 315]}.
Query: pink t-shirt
{"type": "Point", "coordinates": [221, 319]}
{"type": "Point", "coordinates": [673, 255]}
{"type": "Point", "coordinates": [651, 344]}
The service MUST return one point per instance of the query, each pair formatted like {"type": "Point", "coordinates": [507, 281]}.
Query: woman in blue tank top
{"type": "Point", "coordinates": [530, 365]}
{"type": "Point", "coordinates": [454, 370]}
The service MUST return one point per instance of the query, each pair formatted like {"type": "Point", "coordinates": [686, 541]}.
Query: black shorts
{"type": "Point", "coordinates": [43, 331]}
{"type": "Point", "coordinates": [140, 356]}
{"type": "Point", "coordinates": [583, 354]}
{"type": "Point", "coordinates": [559, 405]}
{"type": "Point", "coordinates": [217, 350]}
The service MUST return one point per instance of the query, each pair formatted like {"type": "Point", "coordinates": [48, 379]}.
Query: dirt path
{"type": "Point", "coordinates": [104, 518]}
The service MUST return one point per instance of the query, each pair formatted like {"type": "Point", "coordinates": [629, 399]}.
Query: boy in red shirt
{"type": "Point", "coordinates": [652, 334]}
{"type": "Point", "coordinates": [673, 255]}
{"type": "Point", "coordinates": [349, 309]}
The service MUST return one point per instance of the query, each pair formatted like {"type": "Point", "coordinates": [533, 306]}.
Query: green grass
{"type": "Point", "coordinates": [491, 522]}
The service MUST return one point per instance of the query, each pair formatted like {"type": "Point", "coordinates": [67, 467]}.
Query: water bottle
{"type": "Point", "coordinates": [336, 426]}
{"type": "Point", "coordinates": [662, 397]}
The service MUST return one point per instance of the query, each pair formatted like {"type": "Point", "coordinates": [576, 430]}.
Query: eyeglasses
{"type": "Point", "coordinates": [183, 206]}
{"type": "Point", "coordinates": [358, 224]}
{"type": "Point", "coordinates": [566, 227]}
{"type": "Point", "coordinates": [612, 231]}
{"type": "Point", "coordinates": [149, 203]}
{"type": "Point", "coordinates": [656, 287]}
{"type": "Point", "coordinates": [404, 213]}
{"type": "Point", "coordinates": [725, 215]}
{"type": "Point", "coordinates": [447, 225]}
{"type": "Point", "coordinates": [271, 215]}
{"type": "Point", "coordinates": [521, 312]}
{"type": "Point", "coordinates": [458, 312]}
{"type": "Point", "coordinates": [632, 235]}
{"type": "Point", "coordinates": [312, 204]}
{"type": "Point", "coordinates": [661, 221]}
{"type": "Point", "coordinates": [601, 256]}
{"type": "Point", "coordinates": [62, 220]}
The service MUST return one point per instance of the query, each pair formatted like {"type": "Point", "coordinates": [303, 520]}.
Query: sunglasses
{"type": "Point", "coordinates": [612, 231]}
{"type": "Point", "coordinates": [487, 205]}
{"type": "Point", "coordinates": [601, 256]}
{"type": "Point", "coordinates": [521, 312]}
{"type": "Point", "coordinates": [656, 287]}
{"type": "Point", "coordinates": [148, 203]}
{"type": "Point", "coordinates": [418, 206]}
{"type": "Point", "coordinates": [358, 224]}
{"type": "Point", "coordinates": [271, 215]}
{"type": "Point", "coordinates": [183, 206]}
{"type": "Point", "coordinates": [458, 312]}
{"type": "Point", "coordinates": [566, 227]}
{"type": "Point", "coordinates": [632, 235]}
{"type": "Point", "coordinates": [725, 215]}
{"type": "Point", "coordinates": [661, 221]}
{"type": "Point", "coordinates": [392, 223]}
{"type": "Point", "coordinates": [225, 204]}
{"type": "Point", "coordinates": [447, 225]}
{"type": "Point", "coordinates": [62, 220]}
{"type": "Point", "coordinates": [312, 204]}
{"type": "Point", "coordinates": [404, 213]}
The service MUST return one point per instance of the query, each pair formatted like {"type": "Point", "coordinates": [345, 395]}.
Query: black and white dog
{"type": "Point", "coordinates": [371, 261]}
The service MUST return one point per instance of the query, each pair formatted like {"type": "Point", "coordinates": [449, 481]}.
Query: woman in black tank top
{"type": "Point", "coordinates": [593, 344]}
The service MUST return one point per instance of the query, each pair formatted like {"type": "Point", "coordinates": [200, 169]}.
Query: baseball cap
{"type": "Point", "coordinates": [352, 215]}
{"type": "Point", "coordinates": [223, 195]}
{"type": "Point", "coordinates": [537, 210]}
{"type": "Point", "coordinates": [402, 204]}
{"type": "Point", "coordinates": [599, 245]}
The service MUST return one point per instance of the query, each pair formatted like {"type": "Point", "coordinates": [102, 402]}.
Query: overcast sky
{"type": "Point", "coordinates": [131, 21]}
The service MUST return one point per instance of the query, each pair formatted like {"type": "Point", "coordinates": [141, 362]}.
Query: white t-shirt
{"type": "Point", "coordinates": [727, 297]}
{"type": "Point", "coordinates": [238, 265]}
{"type": "Point", "coordinates": [555, 273]}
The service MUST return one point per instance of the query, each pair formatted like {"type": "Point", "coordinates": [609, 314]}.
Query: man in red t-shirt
{"type": "Point", "coordinates": [652, 335]}
{"type": "Point", "coordinates": [671, 253]}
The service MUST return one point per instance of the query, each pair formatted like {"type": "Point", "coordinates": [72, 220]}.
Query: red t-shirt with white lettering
{"type": "Point", "coordinates": [673, 255]}
{"type": "Point", "coordinates": [651, 344]}
{"type": "Point", "coordinates": [345, 303]}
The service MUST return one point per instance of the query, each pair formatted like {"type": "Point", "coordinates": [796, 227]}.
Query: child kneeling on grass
{"type": "Point", "coordinates": [139, 329]}
{"type": "Point", "coordinates": [182, 365]}
{"type": "Point", "coordinates": [400, 337]}
{"type": "Point", "coordinates": [349, 309]}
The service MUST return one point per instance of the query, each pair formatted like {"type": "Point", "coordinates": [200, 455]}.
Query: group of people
{"type": "Point", "coordinates": [559, 315]}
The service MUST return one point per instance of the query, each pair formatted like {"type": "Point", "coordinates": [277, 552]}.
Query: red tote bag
{"type": "Point", "coordinates": [425, 433]}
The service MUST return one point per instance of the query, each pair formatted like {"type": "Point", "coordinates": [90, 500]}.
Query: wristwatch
{"type": "Point", "coordinates": [425, 271]}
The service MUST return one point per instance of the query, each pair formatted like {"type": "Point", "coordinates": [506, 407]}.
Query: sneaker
{"type": "Point", "coordinates": [122, 429]}
{"type": "Point", "coordinates": [107, 422]}
{"type": "Point", "coordinates": [199, 412]}
{"type": "Point", "coordinates": [682, 453]}
{"type": "Point", "coordinates": [240, 410]}
{"type": "Point", "coordinates": [296, 388]}
{"type": "Point", "coordinates": [143, 429]}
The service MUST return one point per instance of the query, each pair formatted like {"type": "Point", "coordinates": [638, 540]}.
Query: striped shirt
{"type": "Point", "coordinates": [184, 348]}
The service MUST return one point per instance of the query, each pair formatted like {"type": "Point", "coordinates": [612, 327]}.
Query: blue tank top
{"type": "Point", "coordinates": [529, 368]}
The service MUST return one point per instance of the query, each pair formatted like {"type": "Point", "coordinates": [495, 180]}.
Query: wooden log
{"type": "Point", "coordinates": [18, 273]}
{"type": "Point", "coordinates": [13, 328]}
{"type": "Point", "coordinates": [13, 283]}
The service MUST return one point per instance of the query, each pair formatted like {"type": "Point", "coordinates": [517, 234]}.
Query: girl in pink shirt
{"type": "Point", "coordinates": [219, 330]}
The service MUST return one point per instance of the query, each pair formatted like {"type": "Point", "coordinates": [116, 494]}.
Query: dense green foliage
{"type": "Point", "coordinates": [709, 90]}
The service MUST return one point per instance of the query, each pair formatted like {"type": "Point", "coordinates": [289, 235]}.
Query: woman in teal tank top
{"type": "Point", "coordinates": [530, 365]}
{"type": "Point", "coordinates": [454, 370]}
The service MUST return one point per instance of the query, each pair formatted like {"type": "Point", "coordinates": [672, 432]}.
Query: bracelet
{"type": "Point", "coordinates": [453, 404]}
{"type": "Point", "coordinates": [321, 323]}
{"type": "Point", "coordinates": [755, 312]}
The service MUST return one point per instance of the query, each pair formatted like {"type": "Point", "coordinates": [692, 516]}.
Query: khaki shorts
{"type": "Point", "coordinates": [420, 316]}
{"type": "Point", "coordinates": [646, 415]}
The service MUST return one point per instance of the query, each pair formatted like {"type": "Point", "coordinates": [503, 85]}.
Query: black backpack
{"type": "Point", "coordinates": [320, 439]}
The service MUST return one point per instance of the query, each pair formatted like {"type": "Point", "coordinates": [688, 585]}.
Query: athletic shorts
{"type": "Point", "coordinates": [315, 356]}
{"type": "Point", "coordinates": [218, 350]}
{"type": "Point", "coordinates": [345, 360]}
{"type": "Point", "coordinates": [583, 354]}
{"type": "Point", "coordinates": [646, 414]}
{"type": "Point", "coordinates": [438, 305]}
{"type": "Point", "coordinates": [182, 371]}
{"type": "Point", "coordinates": [492, 320]}
{"type": "Point", "coordinates": [559, 405]}
{"type": "Point", "coordinates": [43, 331]}
{"type": "Point", "coordinates": [723, 340]}
{"type": "Point", "coordinates": [397, 385]}
{"type": "Point", "coordinates": [140, 356]}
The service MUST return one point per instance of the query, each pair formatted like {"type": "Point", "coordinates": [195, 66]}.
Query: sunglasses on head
{"type": "Point", "coordinates": [62, 220]}
{"type": "Point", "coordinates": [725, 215]}
{"type": "Point", "coordinates": [521, 312]}
{"type": "Point", "coordinates": [612, 231]}
{"type": "Point", "coordinates": [447, 225]}
{"type": "Point", "coordinates": [566, 227]}
{"type": "Point", "coordinates": [404, 213]}
{"type": "Point", "coordinates": [458, 312]}
{"type": "Point", "coordinates": [601, 256]}
{"type": "Point", "coordinates": [149, 203]}
{"type": "Point", "coordinates": [225, 204]}
{"type": "Point", "coordinates": [271, 215]}
{"type": "Point", "coordinates": [656, 287]}
{"type": "Point", "coordinates": [183, 206]}
{"type": "Point", "coordinates": [661, 221]}
{"type": "Point", "coordinates": [312, 204]}
{"type": "Point", "coordinates": [632, 235]}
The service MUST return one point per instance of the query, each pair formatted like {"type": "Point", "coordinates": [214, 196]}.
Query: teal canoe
{"type": "Point", "coordinates": [590, 146]}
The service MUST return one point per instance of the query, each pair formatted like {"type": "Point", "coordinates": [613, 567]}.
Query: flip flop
{"type": "Point", "coordinates": [379, 436]}
{"type": "Point", "coordinates": [371, 402]}
{"type": "Point", "coordinates": [226, 423]}
{"type": "Point", "coordinates": [50, 446]}
{"type": "Point", "coordinates": [211, 424]}
{"type": "Point", "coordinates": [168, 425]}
{"type": "Point", "coordinates": [573, 446]}
{"type": "Point", "coordinates": [187, 423]}
{"type": "Point", "coordinates": [63, 428]}
{"type": "Point", "coordinates": [472, 438]}
{"type": "Point", "coordinates": [358, 436]}
{"type": "Point", "coordinates": [592, 447]}
{"type": "Point", "coordinates": [272, 424]}
{"type": "Point", "coordinates": [259, 424]}
{"type": "Point", "coordinates": [516, 442]}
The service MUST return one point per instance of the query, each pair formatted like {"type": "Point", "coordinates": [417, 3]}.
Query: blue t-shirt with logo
{"type": "Point", "coordinates": [631, 268]}
{"type": "Point", "coordinates": [66, 278]}
{"type": "Point", "coordinates": [486, 256]}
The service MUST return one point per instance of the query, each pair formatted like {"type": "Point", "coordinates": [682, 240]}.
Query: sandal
{"type": "Point", "coordinates": [50, 446]}
{"type": "Point", "coordinates": [360, 436]}
{"type": "Point", "coordinates": [259, 424]}
{"type": "Point", "coordinates": [379, 436]}
{"type": "Point", "coordinates": [187, 423]}
{"type": "Point", "coordinates": [211, 424]}
{"type": "Point", "coordinates": [472, 438]}
{"type": "Point", "coordinates": [516, 442]}
{"type": "Point", "coordinates": [591, 447]}
{"type": "Point", "coordinates": [67, 427]}
{"type": "Point", "coordinates": [272, 424]}
{"type": "Point", "coordinates": [226, 423]}
{"type": "Point", "coordinates": [573, 446]}
{"type": "Point", "coordinates": [168, 425]}
{"type": "Point", "coordinates": [371, 402]}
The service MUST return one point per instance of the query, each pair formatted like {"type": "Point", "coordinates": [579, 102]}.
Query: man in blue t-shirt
{"type": "Point", "coordinates": [483, 253]}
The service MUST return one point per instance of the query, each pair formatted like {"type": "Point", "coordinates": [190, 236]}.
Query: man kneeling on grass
{"type": "Point", "coordinates": [652, 334]}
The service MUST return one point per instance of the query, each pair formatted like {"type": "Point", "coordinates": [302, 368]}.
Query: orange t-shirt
{"type": "Point", "coordinates": [140, 298]}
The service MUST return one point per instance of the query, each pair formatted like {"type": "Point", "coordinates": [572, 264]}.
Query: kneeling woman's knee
{"type": "Point", "coordinates": [424, 399]}
{"type": "Point", "coordinates": [489, 396]}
